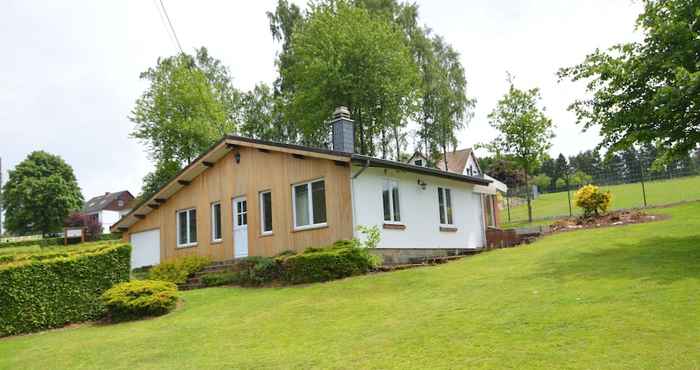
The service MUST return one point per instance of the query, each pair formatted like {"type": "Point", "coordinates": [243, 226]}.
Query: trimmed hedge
{"type": "Point", "coordinates": [49, 242]}
{"type": "Point", "coordinates": [48, 290]}
{"type": "Point", "coordinates": [178, 270]}
{"type": "Point", "coordinates": [341, 260]}
{"type": "Point", "coordinates": [139, 298]}
{"type": "Point", "coordinates": [220, 278]}
{"type": "Point", "coordinates": [40, 242]}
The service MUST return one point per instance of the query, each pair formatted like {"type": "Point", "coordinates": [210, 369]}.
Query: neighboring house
{"type": "Point", "coordinates": [464, 161]}
{"type": "Point", "coordinates": [418, 159]}
{"type": "Point", "coordinates": [109, 208]}
{"type": "Point", "coordinates": [248, 197]}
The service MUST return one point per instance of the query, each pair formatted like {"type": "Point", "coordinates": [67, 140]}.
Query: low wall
{"type": "Point", "coordinates": [402, 256]}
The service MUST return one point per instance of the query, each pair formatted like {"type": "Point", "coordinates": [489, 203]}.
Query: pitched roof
{"type": "Point", "coordinates": [377, 162]}
{"type": "Point", "coordinates": [229, 142]}
{"type": "Point", "coordinates": [456, 160]}
{"type": "Point", "coordinates": [99, 203]}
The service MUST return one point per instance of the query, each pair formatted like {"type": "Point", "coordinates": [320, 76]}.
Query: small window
{"type": "Point", "coordinates": [445, 206]}
{"type": "Point", "coordinates": [120, 203]}
{"type": "Point", "coordinates": [216, 222]}
{"type": "Point", "coordinates": [390, 200]}
{"type": "Point", "coordinates": [309, 203]}
{"type": "Point", "coordinates": [418, 162]}
{"type": "Point", "coordinates": [187, 228]}
{"type": "Point", "coordinates": [266, 212]}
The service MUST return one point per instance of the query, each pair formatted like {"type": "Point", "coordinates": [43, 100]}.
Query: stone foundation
{"type": "Point", "coordinates": [403, 256]}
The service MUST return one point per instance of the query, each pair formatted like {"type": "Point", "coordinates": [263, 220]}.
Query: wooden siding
{"type": "Point", "coordinates": [257, 171]}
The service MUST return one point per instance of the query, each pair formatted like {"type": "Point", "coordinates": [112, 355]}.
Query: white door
{"type": "Point", "coordinates": [240, 227]}
{"type": "Point", "coordinates": [145, 248]}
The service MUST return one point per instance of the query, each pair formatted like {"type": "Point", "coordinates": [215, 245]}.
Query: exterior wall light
{"type": "Point", "coordinates": [237, 157]}
{"type": "Point", "coordinates": [422, 184]}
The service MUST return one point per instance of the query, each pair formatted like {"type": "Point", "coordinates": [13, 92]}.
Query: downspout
{"type": "Point", "coordinates": [352, 201]}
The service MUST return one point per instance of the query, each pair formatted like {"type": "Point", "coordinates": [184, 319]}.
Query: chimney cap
{"type": "Point", "coordinates": [341, 112]}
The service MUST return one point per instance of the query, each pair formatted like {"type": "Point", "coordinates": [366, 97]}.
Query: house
{"type": "Point", "coordinates": [248, 197]}
{"type": "Point", "coordinates": [464, 161]}
{"type": "Point", "coordinates": [108, 208]}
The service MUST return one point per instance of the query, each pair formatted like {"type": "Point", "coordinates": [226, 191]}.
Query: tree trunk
{"type": "Point", "coordinates": [398, 145]}
{"type": "Point", "coordinates": [529, 196]}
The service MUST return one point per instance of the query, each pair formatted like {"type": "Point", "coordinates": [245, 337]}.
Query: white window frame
{"type": "Point", "coordinates": [214, 239]}
{"type": "Point", "coordinates": [388, 180]}
{"type": "Point", "coordinates": [262, 212]}
{"type": "Point", "coordinates": [189, 222]}
{"type": "Point", "coordinates": [311, 224]}
{"type": "Point", "coordinates": [443, 213]}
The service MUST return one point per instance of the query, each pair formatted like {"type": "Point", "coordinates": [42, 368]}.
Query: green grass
{"type": "Point", "coordinates": [660, 192]}
{"type": "Point", "coordinates": [615, 298]}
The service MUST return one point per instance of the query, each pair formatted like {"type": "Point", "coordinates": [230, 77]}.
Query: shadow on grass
{"type": "Point", "coordinates": [660, 259]}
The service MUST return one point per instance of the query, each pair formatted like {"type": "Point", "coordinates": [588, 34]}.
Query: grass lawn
{"type": "Point", "coordinates": [620, 297]}
{"type": "Point", "coordinates": [660, 192]}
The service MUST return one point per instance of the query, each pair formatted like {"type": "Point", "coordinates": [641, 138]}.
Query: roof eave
{"type": "Point", "coordinates": [376, 162]}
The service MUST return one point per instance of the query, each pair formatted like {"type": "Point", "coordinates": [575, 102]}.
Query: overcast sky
{"type": "Point", "coordinates": [70, 70]}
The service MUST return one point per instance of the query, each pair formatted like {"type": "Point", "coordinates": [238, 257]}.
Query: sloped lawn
{"type": "Point", "coordinates": [620, 297]}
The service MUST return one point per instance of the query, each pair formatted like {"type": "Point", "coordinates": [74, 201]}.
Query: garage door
{"type": "Point", "coordinates": [145, 248]}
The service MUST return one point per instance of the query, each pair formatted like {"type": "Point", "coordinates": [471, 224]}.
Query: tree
{"type": "Point", "coordinates": [368, 69]}
{"type": "Point", "coordinates": [507, 172]}
{"type": "Point", "coordinates": [189, 104]}
{"type": "Point", "coordinates": [438, 101]}
{"type": "Point", "coordinates": [525, 132]}
{"type": "Point", "coordinates": [40, 193]}
{"type": "Point", "coordinates": [542, 181]}
{"type": "Point", "coordinates": [646, 91]}
{"type": "Point", "coordinates": [155, 180]}
{"type": "Point", "coordinates": [451, 109]}
{"type": "Point", "coordinates": [588, 162]}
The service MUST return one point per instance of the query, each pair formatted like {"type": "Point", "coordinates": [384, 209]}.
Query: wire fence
{"type": "Point", "coordinates": [630, 188]}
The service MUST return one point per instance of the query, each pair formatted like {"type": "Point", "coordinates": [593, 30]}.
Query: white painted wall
{"type": "Point", "coordinates": [108, 218]}
{"type": "Point", "coordinates": [419, 210]}
{"type": "Point", "coordinates": [471, 168]}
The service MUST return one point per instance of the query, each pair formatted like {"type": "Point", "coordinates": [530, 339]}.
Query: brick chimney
{"type": "Point", "coordinates": [343, 131]}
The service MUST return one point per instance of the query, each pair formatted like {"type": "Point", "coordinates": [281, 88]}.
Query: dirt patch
{"type": "Point", "coordinates": [615, 218]}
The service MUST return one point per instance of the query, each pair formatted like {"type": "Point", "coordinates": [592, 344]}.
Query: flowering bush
{"type": "Point", "coordinates": [592, 200]}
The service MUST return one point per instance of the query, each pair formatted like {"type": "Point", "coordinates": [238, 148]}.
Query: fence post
{"type": "Point", "coordinates": [568, 194]}
{"type": "Point", "coordinates": [644, 190]}
{"type": "Point", "coordinates": [508, 206]}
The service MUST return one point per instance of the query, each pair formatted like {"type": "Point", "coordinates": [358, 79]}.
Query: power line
{"type": "Point", "coordinates": [177, 40]}
{"type": "Point", "coordinates": [193, 65]}
{"type": "Point", "coordinates": [164, 23]}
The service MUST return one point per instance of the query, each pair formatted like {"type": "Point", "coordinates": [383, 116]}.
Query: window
{"type": "Point", "coordinates": [187, 228]}
{"type": "Point", "coordinates": [489, 202]}
{"type": "Point", "coordinates": [390, 199]}
{"type": "Point", "coordinates": [418, 162]}
{"type": "Point", "coordinates": [445, 206]}
{"type": "Point", "coordinates": [266, 212]}
{"type": "Point", "coordinates": [216, 222]}
{"type": "Point", "coordinates": [309, 202]}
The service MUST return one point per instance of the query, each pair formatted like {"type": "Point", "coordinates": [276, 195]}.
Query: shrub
{"type": "Point", "coordinates": [40, 242]}
{"type": "Point", "coordinates": [52, 288]}
{"type": "Point", "coordinates": [257, 271]}
{"type": "Point", "coordinates": [341, 260]}
{"type": "Point", "coordinates": [592, 200]}
{"type": "Point", "coordinates": [372, 236]}
{"type": "Point", "coordinates": [221, 278]}
{"type": "Point", "coordinates": [139, 298]}
{"type": "Point", "coordinates": [177, 271]}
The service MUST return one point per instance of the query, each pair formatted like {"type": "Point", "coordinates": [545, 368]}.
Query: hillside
{"type": "Point", "coordinates": [620, 297]}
